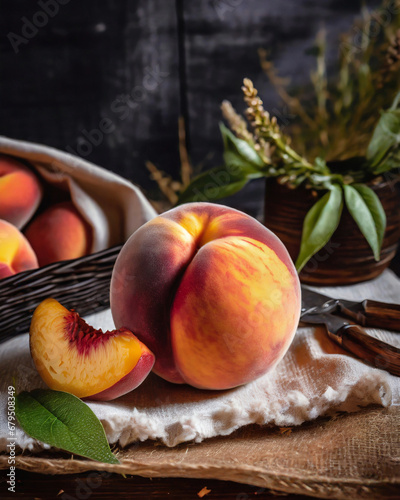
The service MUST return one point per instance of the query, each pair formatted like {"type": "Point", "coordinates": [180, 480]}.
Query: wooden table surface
{"type": "Point", "coordinates": [111, 486]}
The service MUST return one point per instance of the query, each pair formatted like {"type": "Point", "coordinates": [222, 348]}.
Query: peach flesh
{"type": "Point", "coordinates": [211, 291]}
{"type": "Point", "coordinates": [72, 356]}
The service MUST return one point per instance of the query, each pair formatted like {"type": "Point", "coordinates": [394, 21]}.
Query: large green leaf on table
{"type": "Point", "coordinates": [64, 421]}
{"type": "Point", "coordinates": [385, 139]}
{"type": "Point", "coordinates": [366, 209]}
{"type": "Point", "coordinates": [214, 184]}
{"type": "Point", "coordinates": [319, 225]}
{"type": "Point", "coordinates": [238, 151]}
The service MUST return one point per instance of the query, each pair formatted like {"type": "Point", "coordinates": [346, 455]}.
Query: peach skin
{"type": "Point", "coordinates": [20, 192]}
{"type": "Point", "coordinates": [211, 291]}
{"type": "Point", "coordinates": [59, 233]}
{"type": "Point", "coordinates": [72, 356]}
{"type": "Point", "coordinates": [16, 254]}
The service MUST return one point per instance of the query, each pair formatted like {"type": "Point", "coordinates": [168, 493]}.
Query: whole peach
{"type": "Point", "coordinates": [211, 291]}
{"type": "Point", "coordinates": [20, 192]}
{"type": "Point", "coordinates": [16, 254]}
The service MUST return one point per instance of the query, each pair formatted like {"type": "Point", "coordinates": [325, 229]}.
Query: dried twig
{"type": "Point", "coordinates": [164, 181]}
{"type": "Point", "coordinates": [186, 167]}
{"type": "Point", "coordinates": [392, 59]}
{"type": "Point", "coordinates": [280, 84]}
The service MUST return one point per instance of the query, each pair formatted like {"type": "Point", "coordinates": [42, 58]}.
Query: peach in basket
{"type": "Point", "coordinates": [59, 233]}
{"type": "Point", "coordinates": [16, 254]}
{"type": "Point", "coordinates": [20, 192]}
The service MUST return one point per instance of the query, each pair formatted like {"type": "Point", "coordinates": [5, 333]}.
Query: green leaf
{"type": "Point", "coordinates": [64, 421]}
{"type": "Point", "coordinates": [366, 209]}
{"type": "Point", "coordinates": [396, 102]}
{"type": "Point", "coordinates": [242, 163]}
{"type": "Point", "coordinates": [319, 225]}
{"type": "Point", "coordinates": [321, 165]}
{"type": "Point", "coordinates": [390, 162]}
{"type": "Point", "coordinates": [385, 138]}
{"type": "Point", "coordinates": [233, 160]}
{"type": "Point", "coordinates": [240, 148]}
{"type": "Point", "coordinates": [214, 184]}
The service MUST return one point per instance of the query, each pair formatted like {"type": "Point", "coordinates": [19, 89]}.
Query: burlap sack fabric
{"type": "Point", "coordinates": [316, 378]}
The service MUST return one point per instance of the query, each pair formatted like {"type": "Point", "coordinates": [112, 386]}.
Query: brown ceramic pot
{"type": "Point", "coordinates": [347, 257]}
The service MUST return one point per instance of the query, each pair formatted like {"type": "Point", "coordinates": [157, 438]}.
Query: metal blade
{"type": "Point", "coordinates": [333, 323]}
{"type": "Point", "coordinates": [312, 299]}
{"type": "Point", "coordinates": [318, 303]}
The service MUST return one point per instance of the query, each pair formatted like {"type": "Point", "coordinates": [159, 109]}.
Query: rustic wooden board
{"type": "Point", "coordinates": [348, 456]}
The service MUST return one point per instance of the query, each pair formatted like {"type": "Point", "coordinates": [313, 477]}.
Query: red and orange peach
{"type": "Point", "coordinates": [16, 254]}
{"type": "Point", "coordinates": [20, 192]}
{"type": "Point", "coordinates": [59, 233]}
{"type": "Point", "coordinates": [72, 356]}
{"type": "Point", "coordinates": [212, 293]}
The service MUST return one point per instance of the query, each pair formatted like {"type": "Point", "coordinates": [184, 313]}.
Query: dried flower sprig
{"type": "Point", "coordinates": [169, 187]}
{"type": "Point", "coordinates": [285, 163]}
{"type": "Point", "coordinates": [333, 118]}
{"type": "Point", "coordinates": [339, 122]}
{"type": "Point", "coordinates": [236, 122]}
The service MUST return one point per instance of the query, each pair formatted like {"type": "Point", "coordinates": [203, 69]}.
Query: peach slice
{"type": "Point", "coordinates": [72, 356]}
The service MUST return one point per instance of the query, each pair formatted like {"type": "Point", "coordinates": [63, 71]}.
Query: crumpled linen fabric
{"type": "Point", "coordinates": [316, 377]}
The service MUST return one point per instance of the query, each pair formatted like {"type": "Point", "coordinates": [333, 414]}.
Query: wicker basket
{"type": "Point", "coordinates": [111, 204]}
{"type": "Point", "coordinates": [82, 284]}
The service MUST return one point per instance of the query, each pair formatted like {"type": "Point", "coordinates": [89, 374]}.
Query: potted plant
{"type": "Point", "coordinates": [331, 181]}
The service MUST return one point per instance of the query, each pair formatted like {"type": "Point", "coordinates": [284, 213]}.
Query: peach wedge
{"type": "Point", "coordinates": [72, 356]}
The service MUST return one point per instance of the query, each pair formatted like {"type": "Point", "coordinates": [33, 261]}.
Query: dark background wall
{"type": "Point", "coordinates": [141, 64]}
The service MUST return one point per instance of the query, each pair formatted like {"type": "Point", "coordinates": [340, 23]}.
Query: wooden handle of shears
{"type": "Point", "coordinates": [376, 314]}
{"type": "Point", "coordinates": [380, 354]}
{"type": "Point", "coordinates": [382, 315]}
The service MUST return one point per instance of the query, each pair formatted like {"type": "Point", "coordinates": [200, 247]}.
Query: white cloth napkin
{"type": "Point", "coordinates": [113, 206]}
{"type": "Point", "coordinates": [316, 377]}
